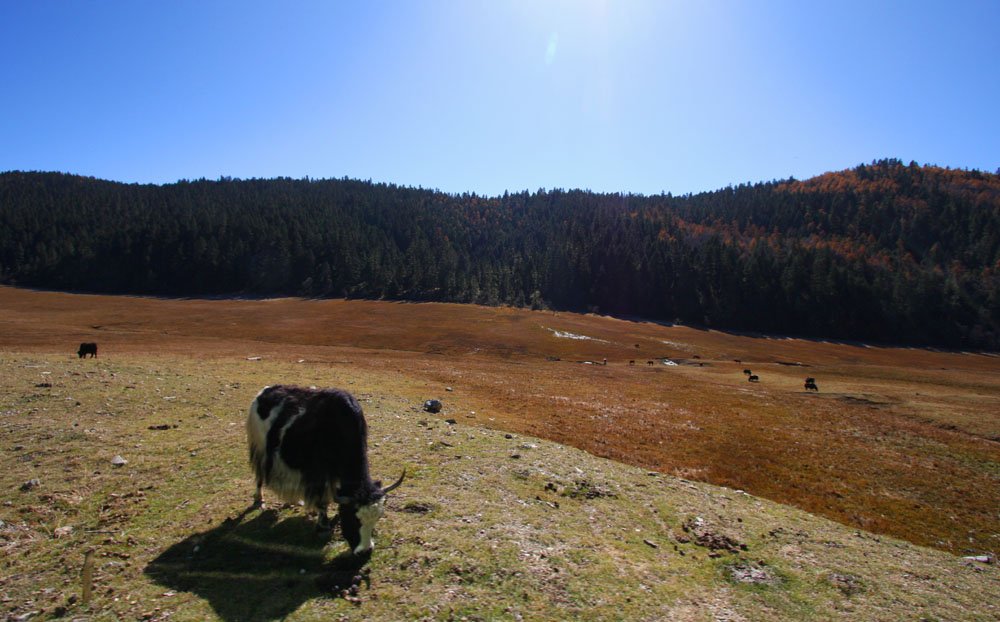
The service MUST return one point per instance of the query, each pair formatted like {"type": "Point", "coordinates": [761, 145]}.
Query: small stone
{"type": "Point", "coordinates": [62, 532]}
{"type": "Point", "coordinates": [31, 483]}
{"type": "Point", "coordinates": [119, 461]}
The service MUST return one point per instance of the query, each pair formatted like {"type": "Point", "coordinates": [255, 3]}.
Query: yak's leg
{"type": "Point", "coordinates": [258, 499]}
{"type": "Point", "coordinates": [315, 499]}
{"type": "Point", "coordinates": [322, 520]}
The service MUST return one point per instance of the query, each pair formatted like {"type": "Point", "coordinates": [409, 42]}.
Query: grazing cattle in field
{"type": "Point", "coordinates": [811, 384]}
{"type": "Point", "coordinates": [650, 363]}
{"type": "Point", "coordinates": [747, 372]}
{"type": "Point", "coordinates": [631, 363]}
{"type": "Point", "coordinates": [753, 378]}
{"type": "Point", "coordinates": [87, 348]}
{"type": "Point", "coordinates": [311, 445]}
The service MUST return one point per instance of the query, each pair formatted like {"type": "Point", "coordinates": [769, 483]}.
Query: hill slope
{"type": "Point", "coordinates": [896, 441]}
{"type": "Point", "coordinates": [488, 526]}
{"type": "Point", "coordinates": [884, 253]}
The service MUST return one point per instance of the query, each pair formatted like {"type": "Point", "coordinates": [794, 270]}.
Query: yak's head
{"type": "Point", "coordinates": [359, 513]}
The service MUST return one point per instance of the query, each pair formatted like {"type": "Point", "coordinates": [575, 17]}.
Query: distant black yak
{"type": "Point", "coordinates": [87, 348]}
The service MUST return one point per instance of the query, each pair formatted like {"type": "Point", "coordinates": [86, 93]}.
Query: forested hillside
{"type": "Point", "coordinates": [883, 252]}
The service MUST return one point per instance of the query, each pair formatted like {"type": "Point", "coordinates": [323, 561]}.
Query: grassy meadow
{"type": "Point", "coordinates": [502, 516]}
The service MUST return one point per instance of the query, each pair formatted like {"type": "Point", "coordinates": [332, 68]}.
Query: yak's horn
{"type": "Point", "coordinates": [396, 485]}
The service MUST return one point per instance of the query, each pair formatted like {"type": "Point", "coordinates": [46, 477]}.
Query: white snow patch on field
{"type": "Point", "coordinates": [565, 335]}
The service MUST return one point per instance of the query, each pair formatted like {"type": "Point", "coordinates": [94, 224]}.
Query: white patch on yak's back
{"type": "Point", "coordinates": [288, 424]}
{"type": "Point", "coordinates": [283, 480]}
{"type": "Point", "coordinates": [256, 427]}
{"type": "Point", "coordinates": [287, 483]}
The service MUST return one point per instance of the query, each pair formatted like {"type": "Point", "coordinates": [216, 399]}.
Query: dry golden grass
{"type": "Point", "coordinates": [904, 442]}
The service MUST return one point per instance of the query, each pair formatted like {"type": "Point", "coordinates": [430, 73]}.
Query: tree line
{"type": "Point", "coordinates": [884, 252]}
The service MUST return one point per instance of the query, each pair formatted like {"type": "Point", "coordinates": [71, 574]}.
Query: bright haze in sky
{"type": "Point", "coordinates": [488, 96]}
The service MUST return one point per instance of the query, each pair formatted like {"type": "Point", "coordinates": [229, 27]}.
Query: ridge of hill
{"type": "Point", "coordinates": [881, 253]}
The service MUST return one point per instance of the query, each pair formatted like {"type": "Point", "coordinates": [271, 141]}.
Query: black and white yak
{"type": "Point", "coordinates": [311, 445]}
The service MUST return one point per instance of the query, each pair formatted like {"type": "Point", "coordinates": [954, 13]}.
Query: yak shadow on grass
{"type": "Point", "coordinates": [259, 569]}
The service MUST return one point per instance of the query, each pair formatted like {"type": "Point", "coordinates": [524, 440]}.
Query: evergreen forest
{"type": "Point", "coordinates": [884, 252]}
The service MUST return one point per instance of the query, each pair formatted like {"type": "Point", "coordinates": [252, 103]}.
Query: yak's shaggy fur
{"type": "Point", "coordinates": [311, 445]}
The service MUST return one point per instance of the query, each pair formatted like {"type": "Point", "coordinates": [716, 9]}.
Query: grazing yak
{"type": "Point", "coordinates": [811, 384]}
{"type": "Point", "coordinates": [747, 372]}
{"type": "Point", "coordinates": [87, 348]}
{"type": "Point", "coordinates": [311, 445]}
{"type": "Point", "coordinates": [753, 378]}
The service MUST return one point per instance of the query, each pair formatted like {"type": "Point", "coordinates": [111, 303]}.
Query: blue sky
{"type": "Point", "coordinates": [477, 96]}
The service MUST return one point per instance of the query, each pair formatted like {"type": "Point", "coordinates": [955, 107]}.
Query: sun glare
{"type": "Point", "coordinates": [550, 49]}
